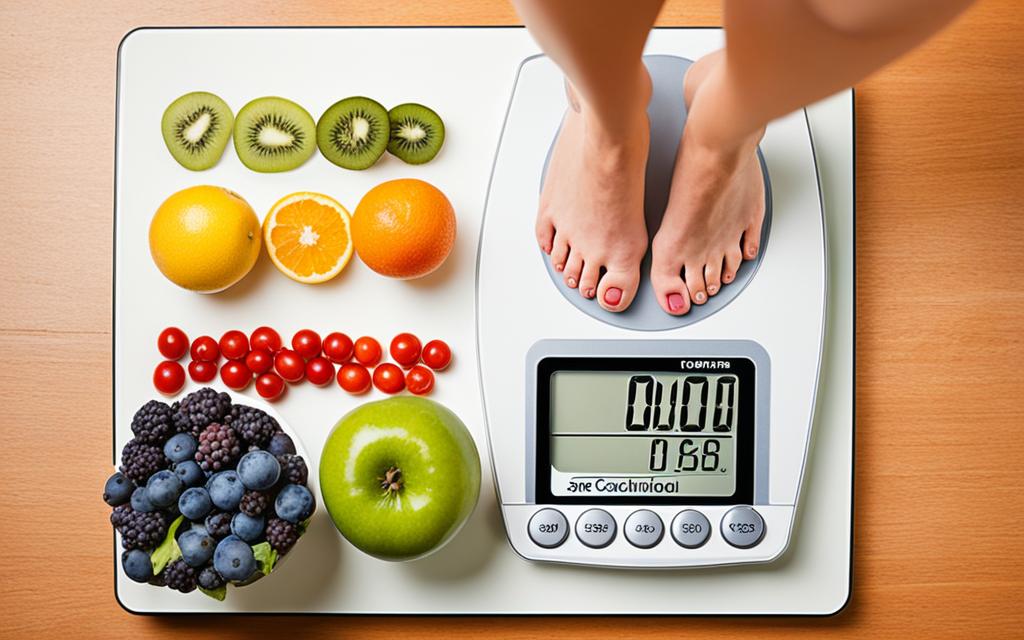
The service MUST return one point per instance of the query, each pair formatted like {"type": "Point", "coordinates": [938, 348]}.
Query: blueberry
{"type": "Point", "coordinates": [281, 444]}
{"type": "Point", "coordinates": [195, 503]}
{"type": "Point", "coordinates": [294, 503]}
{"type": "Point", "coordinates": [118, 489]}
{"type": "Point", "coordinates": [190, 474]}
{"type": "Point", "coordinates": [258, 470]}
{"type": "Point", "coordinates": [180, 447]}
{"type": "Point", "coordinates": [247, 527]}
{"type": "Point", "coordinates": [226, 490]}
{"type": "Point", "coordinates": [163, 488]}
{"type": "Point", "coordinates": [233, 559]}
{"type": "Point", "coordinates": [209, 579]}
{"type": "Point", "coordinates": [140, 501]}
{"type": "Point", "coordinates": [200, 527]}
{"type": "Point", "coordinates": [137, 565]}
{"type": "Point", "coordinates": [196, 548]}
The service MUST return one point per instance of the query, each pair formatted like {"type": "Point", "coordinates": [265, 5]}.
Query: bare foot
{"type": "Point", "coordinates": [591, 216]}
{"type": "Point", "coordinates": [711, 224]}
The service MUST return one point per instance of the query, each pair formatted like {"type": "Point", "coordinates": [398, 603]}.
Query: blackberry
{"type": "Point", "coordinates": [140, 460]}
{"type": "Point", "coordinates": [180, 577]}
{"type": "Point", "coordinates": [252, 425]}
{"type": "Point", "coordinates": [153, 423]}
{"type": "Point", "coordinates": [254, 503]}
{"type": "Point", "coordinates": [139, 530]}
{"type": "Point", "coordinates": [293, 469]}
{"type": "Point", "coordinates": [281, 534]}
{"type": "Point", "coordinates": [201, 408]}
{"type": "Point", "coordinates": [219, 448]}
{"type": "Point", "coordinates": [218, 525]}
{"type": "Point", "coordinates": [209, 579]}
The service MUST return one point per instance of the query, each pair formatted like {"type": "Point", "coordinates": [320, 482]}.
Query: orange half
{"type": "Point", "coordinates": [308, 236]}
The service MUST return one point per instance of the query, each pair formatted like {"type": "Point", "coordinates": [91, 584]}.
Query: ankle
{"type": "Point", "coordinates": [615, 121]}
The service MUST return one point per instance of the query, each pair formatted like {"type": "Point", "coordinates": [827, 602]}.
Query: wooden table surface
{"type": "Point", "coordinates": [940, 303]}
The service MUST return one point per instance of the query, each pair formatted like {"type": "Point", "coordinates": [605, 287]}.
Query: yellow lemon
{"type": "Point", "coordinates": [205, 238]}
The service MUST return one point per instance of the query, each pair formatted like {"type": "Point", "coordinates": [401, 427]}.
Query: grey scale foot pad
{"type": "Point", "coordinates": [667, 113]}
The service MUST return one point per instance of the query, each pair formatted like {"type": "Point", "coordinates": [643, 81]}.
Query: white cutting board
{"type": "Point", "coordinates": [466, 75]}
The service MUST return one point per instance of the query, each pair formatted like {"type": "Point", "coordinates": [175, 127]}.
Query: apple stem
{"type": "Point", "coordinates": [391, 481]}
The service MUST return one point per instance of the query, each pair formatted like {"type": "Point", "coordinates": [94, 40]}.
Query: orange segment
{"type": "Point", "coordinates": [308, 236]}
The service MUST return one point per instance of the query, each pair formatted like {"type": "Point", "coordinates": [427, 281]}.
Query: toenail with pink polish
{"type": "Point", "coordinates": [712, 289]}
{"type": "Point", "coordinates": [700, 296]}
{"type": "Point", "coordinates": [559, 267]}
{"type": "Point", "coordinates": [675, 302]}
{"type": "Point", "coordinates": [613, 296]}
{"type": "Point", "coordinates": [589, 293]}
{"type": "Point", "coordinates": [571, 282]}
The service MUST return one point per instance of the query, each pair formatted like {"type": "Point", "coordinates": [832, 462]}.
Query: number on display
{"type": "Point", "coordinates": [682, 406]}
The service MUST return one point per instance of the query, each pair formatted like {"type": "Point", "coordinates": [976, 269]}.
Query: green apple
{"type": "Point", "coordinates": [400, 477]}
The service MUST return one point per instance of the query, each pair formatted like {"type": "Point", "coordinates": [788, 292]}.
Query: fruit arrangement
{"type": "Point", "coordinates": [400, 477]}
{"type": "Point", "coordinates": [272, 134]}
{"type": "Point", "coordinates": [263, 356]}
{"type": "Point", "coordinates": [208, 493]}
{"type": "Point", "coordinates": [207, 238]}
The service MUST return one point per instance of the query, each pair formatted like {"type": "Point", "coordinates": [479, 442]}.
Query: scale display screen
{"type": "Point", "coordinates": [629, 430]}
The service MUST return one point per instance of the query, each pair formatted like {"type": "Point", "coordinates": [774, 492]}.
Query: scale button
{"type": "Point", "coordinates": [548, 528]}
{"type": "Point", "coordinates": [691, 529]}
{"type": "Point", "coordinates": [742, 527]}
{"type": "Point", "coordinates": [595, 528]}
{"type": "Point", "coordinates": [644, 529]}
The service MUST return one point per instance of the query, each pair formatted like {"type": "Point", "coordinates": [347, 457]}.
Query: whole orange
{"type": "Point", "coordinates": [404, 228]}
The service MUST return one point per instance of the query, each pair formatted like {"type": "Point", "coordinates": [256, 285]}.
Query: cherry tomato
{"type": "Point", "coordinates": [437, 354]}
{"type": "Point", "coordinates": [259, 361]}
{"type": "Point", "coordinates": [265, 338]}
{"type": "Point", "coordinates": [289, 365]}
{"type": "Point", "coordinates": [169, 377]}
{"type": "Point", "coordinates": [319, 371]}
{"type": "Point", "coordinates": [419, 380]}
{"type": "Point", "coordinates": [388, 378]}
{"type": "Point", "coordinates": [206, 349]}
{"type": "Point", "coordinates": [235, 374]}
{"type": "Point", "coordinates": [354, 378]}
{"type": "Point", "coordinates": [172, 343]}
{"type": "Point", "coordinates": [306, 343]}
{"type": "Point", "coordinates": [367, 351]}
{"type": "Point", "coordinates": [338, 347]}
{"type": "Point", "coordinates": [270, 386]}
{"type": "Point", "coordinates": [405, 349]}
{"type": "Point", "coordinates": [202, 371]}
{"type": "Point", "coordinates": [234, 345]}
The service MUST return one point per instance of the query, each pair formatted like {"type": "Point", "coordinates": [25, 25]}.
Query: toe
{"type": "Point", "coordinates": [752, 240]}
{"type": "Point", "coordinates": [617, 288]}
{"type": "Point", "coordinates": [694, 277]}
{"type": "Point", "coordinates": [588, 279]}
{"type": "Point", "coordinates": [545, 234]}
{"type": "Point", "coordinates": [670, 290]}
{"type": "Point", "coordinates": [733, 258]}
{"type": "Point", "coordinates": [713, 276]}
{"type": "Point", "coordinates": [573, 267]}
{"type": "Point", "coordinates": [559, 252]}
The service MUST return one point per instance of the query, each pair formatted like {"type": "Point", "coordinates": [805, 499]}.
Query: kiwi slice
{"type": "Point", "coordinates": [417, 133]}
{"type": "Point", "coordinates": [196, 128]}
{"type": "Point", "coordinates": [353, 133]}
{"type": "Point", "coordinates": [273, 134]}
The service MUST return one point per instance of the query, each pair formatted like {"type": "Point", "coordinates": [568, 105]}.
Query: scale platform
{"type": "Point", "coordinates": [479, 572]}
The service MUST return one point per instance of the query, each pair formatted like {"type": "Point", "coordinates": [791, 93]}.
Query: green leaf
{"type": "Point", "coordinates": [302, 526]}
{"type": "Point", "coordinates": [168, 550]}
{"type": "Point", "coordinates": [266, 556]}
{"type": "Point", "coordinates": [219, 593]}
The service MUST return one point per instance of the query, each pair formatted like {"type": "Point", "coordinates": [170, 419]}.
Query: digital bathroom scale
{"type": "Point", "coordinates": [641, 439]}
{"type": "Point", "coordinates": [802, 562]}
